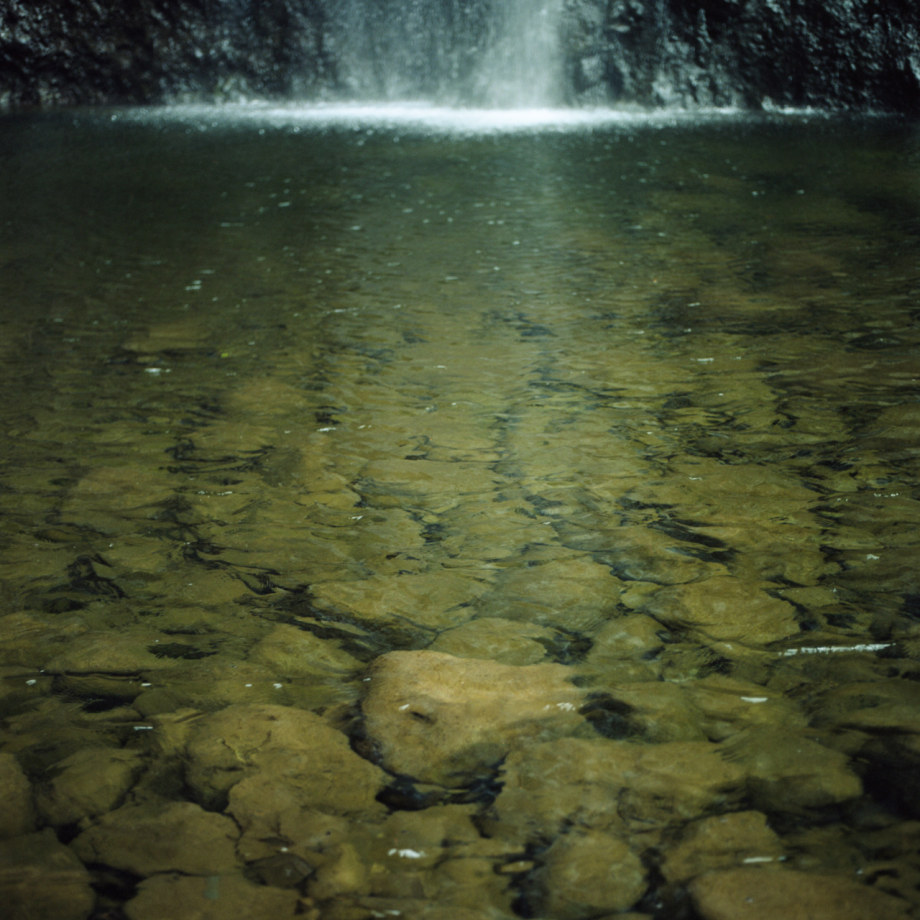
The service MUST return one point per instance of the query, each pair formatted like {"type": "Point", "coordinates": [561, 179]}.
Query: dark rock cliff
{"type": "Point", "coordinates": [854, 54]}
{"type": "Point", "coordinates": [91, 51]}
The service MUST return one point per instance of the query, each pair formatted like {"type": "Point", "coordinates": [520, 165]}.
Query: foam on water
{"type": "Point", "coordinates": [418, 116]}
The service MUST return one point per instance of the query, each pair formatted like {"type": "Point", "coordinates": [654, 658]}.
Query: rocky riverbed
{"type": "Point", "coordinates": [459, 527]}
{"type": "Point", "coordinates": [461, 786]}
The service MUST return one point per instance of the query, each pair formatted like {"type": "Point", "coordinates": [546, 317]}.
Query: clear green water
{"type": "Point", "coordinates": [380, 384]}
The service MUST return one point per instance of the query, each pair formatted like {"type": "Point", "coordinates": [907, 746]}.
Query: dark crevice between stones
{"type": "Point", "coordinates": [355, 729]}
{"type": "Point", "coordinates": [113, 888]}
{"type": "Point", "coordinates": [97, 691]}
{"type": "Point", "coordinates": [483, 790]}
{"type": "Point", "coordinates": [178, 650]}
{"type": "Point", "coordinates": [190, 461]}
{"type": "Point", "coordinates": [405, 793]}
{"type": "Point", "coordinates": [911, 606]}
{"type": "Point", "coordinates": [529, 895]}
{"type": "Point", "coordinates": [610, 717]}
{"type": "Point", "coordinates": [402, 794]}
{"type": "Point", "coordinates": [891, 775]}
{"type": "Point", "coordinates": [364, 647]}
{"type": "Point", "coordinates": [717, 664]}
{"type": "Point", "coordinates": [682, 530]}
{"type": "Point", "coordinates": [258, 579]}
{"type": "Point", "coordinates": [840, 620]}
{"type": "Point", "coordinates": [57, 604]}
{"type": "Point", "coordinates": [214, 800]}
{"type": "Point", "coordinates": [362, 641]}
{"type": "Point", "coordinates": [102, 704]}
{"type": "Point", "coordinates": [86, 580]}
{"type": "Point", "coordinates": [664, 901]}
{"type": "Point", "coordinates": [722, 557]}
{"type": "Point", "coordinates": [566, 646]}
{"type": "Point", "coordinates": [283, 870]}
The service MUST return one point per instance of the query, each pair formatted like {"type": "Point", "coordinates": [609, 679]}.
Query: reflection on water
{"type": "Point", "coordinates": [440, 524]}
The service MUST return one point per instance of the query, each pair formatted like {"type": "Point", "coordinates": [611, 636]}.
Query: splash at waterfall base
{"type": "Point", "coordinates": [840, 54]}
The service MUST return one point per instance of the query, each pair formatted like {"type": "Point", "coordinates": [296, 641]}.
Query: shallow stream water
{"type": "Point", "coordinates": [639, 398]}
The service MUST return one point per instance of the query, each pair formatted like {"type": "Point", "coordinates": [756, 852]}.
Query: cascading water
{"type": "Point", "coordinates": [523, 63]}
{"type": "Point", "coordinates": [504, 54]}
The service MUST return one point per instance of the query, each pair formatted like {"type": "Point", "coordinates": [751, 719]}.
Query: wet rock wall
{"type": "Point", "coordinates": [854, 54]}
{"type": "Point", "coordinates": [63, 52]}
{"type": "Point", "coordinates": [857, 54]}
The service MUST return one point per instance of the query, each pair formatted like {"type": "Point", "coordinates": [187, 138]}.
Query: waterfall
{"type": "Point", "coordinates": [522, 66]}
{"type": "Point", "coordinates": [505, 54]}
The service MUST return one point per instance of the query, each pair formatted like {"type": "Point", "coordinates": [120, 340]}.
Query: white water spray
{"type": "Point", "coordinates": [504, 55]}
{"type": "Point", "coordinates": [522, 67]}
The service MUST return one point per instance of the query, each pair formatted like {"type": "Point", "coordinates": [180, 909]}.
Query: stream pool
{"type": "Point", "coordinates": [598, 433]}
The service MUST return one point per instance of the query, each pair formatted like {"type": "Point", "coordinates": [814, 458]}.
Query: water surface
{"type": "Point", "coordinates": [380, 382]}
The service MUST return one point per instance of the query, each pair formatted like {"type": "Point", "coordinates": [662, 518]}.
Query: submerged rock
{"type": "Point", "coordinates": [726, 608]}
{"type": "Point", "coordinates": [571, 592]}
{"type": "Point", "coordinates": [886, 705]}
{"type": "Point", "coordinates": [766, 894]}
{"type": "Point", "coordinates": [276, 817]}
{"type": "Point", "coordinates": [587, 873]}
{"type": "Point", "coordinates": [446, 720]}
{"type": "Point", "coordinates": [87, 783]}
{"type": "Point", "coordinates": [129, 651]}
{"type": "Point", "coordinates": [421, 602]}
{"type": "Point", "coordinates": [415, 908]}
{"type": "Point", "coordinates": [429, 831]}
{"type": "Point", "coordinates": [292, 652]}
{"type": "Point", "coordinates": [41, 879]}
{"type": "Point", "coordinates": [788, 772]}
{"type": "Point", "coordinates": [654, 710]}
{"type": "Point", "coordinates": [728, 705]}
{"type": "Point", "coordinates": [639, 554]}
{"type": "Point", "coordinates": [502, 640]}
{"type": "Point", "coordinates": [626, 637]}
{"type": "Point", "coordinates": [16, 813]}
{"type": "Point", "coordinates": [161, 837]}
{"type": "Point", "coordinates": [612, 786]}
{"type": "Point", "coordinates": [272, 746]}
{"type": "Point", "coordinates": [30, 640]}
{"type": "Point", "coordinates": [719, 842]}
{"type": "Point", "coordinates": [226, 896]}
